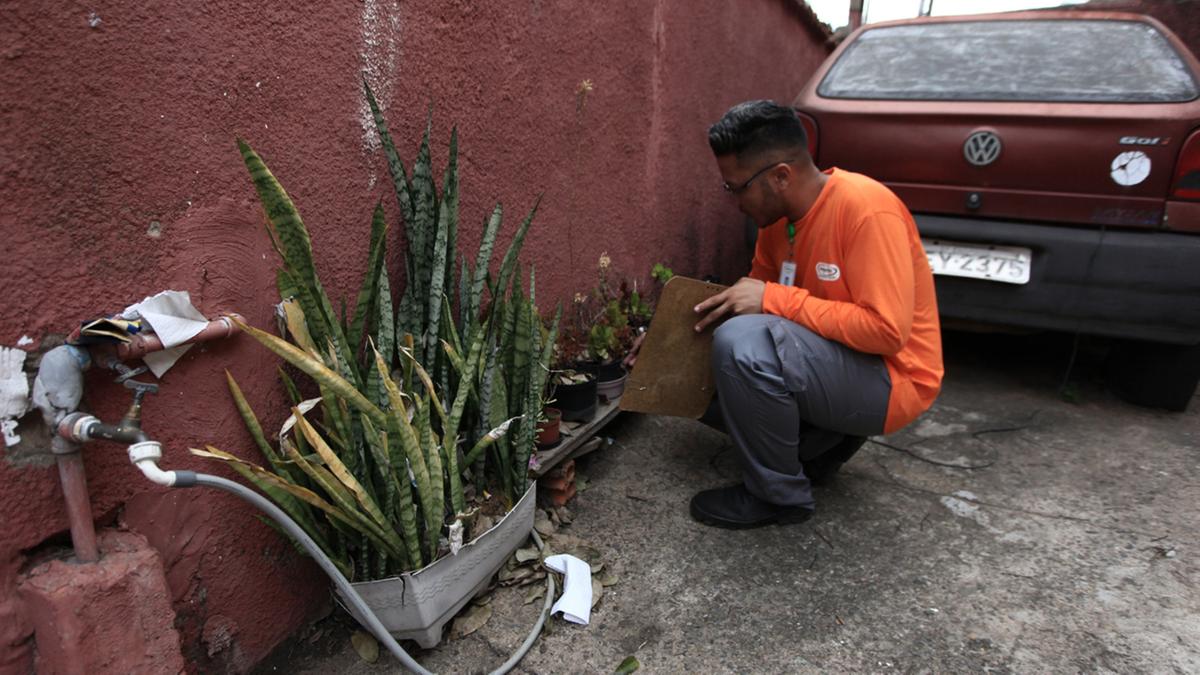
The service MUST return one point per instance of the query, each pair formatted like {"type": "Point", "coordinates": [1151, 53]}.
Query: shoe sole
{"type": "Point", "coordinates": [788, 518]}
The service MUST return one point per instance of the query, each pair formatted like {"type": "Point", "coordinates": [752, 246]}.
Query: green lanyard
{"type": "Point", "coordinates": [791, 232]}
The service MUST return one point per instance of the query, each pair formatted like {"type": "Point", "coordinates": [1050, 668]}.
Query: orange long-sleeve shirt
{"type": "Point", "coordinates": [861, 279]}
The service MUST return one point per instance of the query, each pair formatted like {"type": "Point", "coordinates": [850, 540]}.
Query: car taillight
{"type": "Point", "coordinates": [1186, 184]}
{"type": "Point", "coordinates": [810, 129]}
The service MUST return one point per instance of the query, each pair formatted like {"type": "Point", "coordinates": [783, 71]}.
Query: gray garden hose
{"type": "Point", "coordinates": [188, 479]}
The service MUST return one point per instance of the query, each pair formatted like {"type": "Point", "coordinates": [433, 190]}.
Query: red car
{"type": "Point", "coordinates": [1052, 162]}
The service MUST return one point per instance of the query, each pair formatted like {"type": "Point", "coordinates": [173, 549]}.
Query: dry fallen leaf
{"type": "Point", "coordinates": [539, 574]}
{"type": "Point", "coordinates": [510, 576]}
{"type": "Point", "coordinates": [482, 524]}
{"type": "Point", "coordinates": [608, 579]}
{"type": "Point", "coordinates": [578, 547]}
{"type": "Point", "coordinates": [587, 554]}
{"type": "Point", "coordinates": [564, 515]}
{"type": "Point", "coordinates": [597, 592]}
{"type": "Point", "coordinates": [470, 621]}
{"type": "Point", "coordinates": [535, 594]}
{"type": "Point", "coordinates": [542, 524]}
{"type": "Point", "coordinates": [524, 555]}
{"type": "Point", "coordinates": [366, 646]}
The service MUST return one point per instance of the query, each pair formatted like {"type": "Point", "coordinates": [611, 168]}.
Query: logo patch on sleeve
{"type": "Point", "coordinates": [828, 271]}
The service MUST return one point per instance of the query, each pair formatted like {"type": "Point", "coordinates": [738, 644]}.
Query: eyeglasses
{"type": "Point", "coordinates": [738, 189]}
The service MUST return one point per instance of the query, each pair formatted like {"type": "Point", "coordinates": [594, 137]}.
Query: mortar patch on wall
{"type": "Point", "coordinates": [14, 392]}
{"type": "Point", "coordinates": [26, 436]}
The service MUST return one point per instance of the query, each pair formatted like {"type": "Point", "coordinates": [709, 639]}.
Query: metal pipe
{"type": "Point", "coordinates": [856, 15]}
{"type": "Point", "coordinates": [82, 427]}
{"type": "Point", "coordinates": [78, 504]}
{"type": "Point", "coordinates": [57, 391]}
{"type": "Point", "coordinates": [143, 343]}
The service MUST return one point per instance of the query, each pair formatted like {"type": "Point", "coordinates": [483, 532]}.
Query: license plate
{"type": "Point", "coordinates": [1007, 264]}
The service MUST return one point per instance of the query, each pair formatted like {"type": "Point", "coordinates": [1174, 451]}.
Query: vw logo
{"type": "Point", "coordinates": [982, 148]}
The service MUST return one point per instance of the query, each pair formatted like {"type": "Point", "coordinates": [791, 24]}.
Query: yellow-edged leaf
{"type": "Point", "coordinates": [428, 382]}
{"type": "Point", "coordinates": [304, 494]}
{"type": "Point", "coordinates": [293, 316]}
{"type": "Point", "coordinates": [344, 499]}
{"type": "Point", "coordinates": [317, 370]}
{"type": "Point", "coordinates": [343, 474]}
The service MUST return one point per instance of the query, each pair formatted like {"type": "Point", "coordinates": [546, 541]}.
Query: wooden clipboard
{"type": "Point", "coordinates": [673, 374]}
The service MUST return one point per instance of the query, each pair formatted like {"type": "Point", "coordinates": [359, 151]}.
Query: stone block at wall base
{"type": "Point", "coordinates": [113, 616]}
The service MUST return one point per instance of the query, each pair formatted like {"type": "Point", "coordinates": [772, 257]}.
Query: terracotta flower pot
{"type": "Point", "coordinates": [547, 431]}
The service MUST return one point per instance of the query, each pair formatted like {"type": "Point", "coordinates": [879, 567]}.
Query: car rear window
{"type": "Point", "coordinates": [1048, 60]}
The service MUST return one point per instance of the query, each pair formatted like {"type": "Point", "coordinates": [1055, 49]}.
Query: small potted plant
{"type": "Point", "coordinates": [572, 385]}
{"type": "Point", "coordinates": [548, 434]}
{"type": "Point", "coordinates": [623, 314]}
{"type": "Point", "coordinates": [608, 342]}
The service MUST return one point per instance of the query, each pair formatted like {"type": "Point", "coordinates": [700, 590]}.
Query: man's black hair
{"type": "Point", "coordinates": [755, 127]}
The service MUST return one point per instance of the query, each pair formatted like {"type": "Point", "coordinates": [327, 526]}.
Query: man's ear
{"type": "Point", "coordinates": [783, 175]}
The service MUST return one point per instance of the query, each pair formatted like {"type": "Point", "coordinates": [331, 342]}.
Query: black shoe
{"type": "Point", "coordinates": [733, 507]}
{"type": "Point", "coordinates": [820, 470]}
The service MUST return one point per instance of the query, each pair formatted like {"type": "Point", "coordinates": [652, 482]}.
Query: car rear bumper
{"type": "Point", "coordinates": [1143, 285]}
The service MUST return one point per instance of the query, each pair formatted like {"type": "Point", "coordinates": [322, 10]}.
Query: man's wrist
{"type": "Point", "coordinates": [777, 299]}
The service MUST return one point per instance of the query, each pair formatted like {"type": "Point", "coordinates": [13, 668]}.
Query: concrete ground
{"type": "Point", "coordinates": [1070, 547]}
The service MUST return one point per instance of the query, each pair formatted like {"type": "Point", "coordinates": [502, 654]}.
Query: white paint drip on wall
{"type": "Point", "coordinates": [379, 35]}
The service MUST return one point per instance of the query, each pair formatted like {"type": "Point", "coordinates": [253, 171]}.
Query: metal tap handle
{"type": "Point", "coordinates": [140, 389]}
{"type": "Point", "coordinates": [124, 372]}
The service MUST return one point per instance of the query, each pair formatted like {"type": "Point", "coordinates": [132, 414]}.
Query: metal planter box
{"type": "Point", "coordinates": [416, 605]}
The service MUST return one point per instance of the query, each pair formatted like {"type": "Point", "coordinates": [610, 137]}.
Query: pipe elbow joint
{"type": "Point", "coordinates": [145, 456]}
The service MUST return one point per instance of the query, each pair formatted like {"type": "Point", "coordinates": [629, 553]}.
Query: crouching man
{"type": "Point", "coordinates": [834, 335]}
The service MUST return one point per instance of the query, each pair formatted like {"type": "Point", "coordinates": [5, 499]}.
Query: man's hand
{"type": "Point", "coordinates": [744, 297]}
{"type": "Point", "coordinates": [631, 357]}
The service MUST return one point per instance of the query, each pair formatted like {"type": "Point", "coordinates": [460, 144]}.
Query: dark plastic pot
{"type": "Point", "coordinates": [605, 371]}
{"type": "Point", "coordinates": [576, 401]}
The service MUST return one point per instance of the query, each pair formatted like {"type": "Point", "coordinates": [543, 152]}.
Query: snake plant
{"type": "Point", "coordinates": [425, 397]}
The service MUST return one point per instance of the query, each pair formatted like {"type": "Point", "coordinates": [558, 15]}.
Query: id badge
{"type": "Point", "coordinates": [787, 273]}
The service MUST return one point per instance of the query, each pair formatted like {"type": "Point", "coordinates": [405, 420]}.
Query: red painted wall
{"type": "Point", "coordinates": [119, 120]}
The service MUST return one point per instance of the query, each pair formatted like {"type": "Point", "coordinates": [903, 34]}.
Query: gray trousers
{"type": "Point", "coordinates": [786, 394]}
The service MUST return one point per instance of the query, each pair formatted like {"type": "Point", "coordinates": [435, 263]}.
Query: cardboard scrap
{"type": "Point", "coordinates": [673, 375]}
